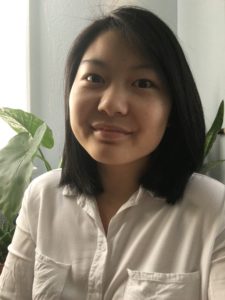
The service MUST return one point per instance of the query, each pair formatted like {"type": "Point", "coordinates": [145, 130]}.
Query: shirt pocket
{"type": "Point", "coordinates": [162, 286]}
{"type": "Point", "coordinates": [49, 278]}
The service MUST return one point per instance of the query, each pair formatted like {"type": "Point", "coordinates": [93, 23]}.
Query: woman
{"type": "Point", "coordinates": [127, 217]}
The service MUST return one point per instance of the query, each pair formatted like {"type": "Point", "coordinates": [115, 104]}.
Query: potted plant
{"type": "Point", "coordinates": [16, 165]}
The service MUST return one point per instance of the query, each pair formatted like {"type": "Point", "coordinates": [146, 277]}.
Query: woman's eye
{"type": "Point", "coordinates": [94, 78]}
{"type": "Point", "coordinates": [143, 83]}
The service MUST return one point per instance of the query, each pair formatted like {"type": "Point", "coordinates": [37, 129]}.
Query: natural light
{"type": "Point", "coordinates": [13, 59]}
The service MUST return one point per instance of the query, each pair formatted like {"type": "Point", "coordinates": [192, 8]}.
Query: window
{"type": "Point", "coordinates": [13, 60]}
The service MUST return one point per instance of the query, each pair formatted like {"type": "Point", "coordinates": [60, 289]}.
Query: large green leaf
{"type": "Point", "coordinates": [22, 121]}
{"type": "Point", "coordinates": [16, 169]}
{"type": "Point", "coordinates": [215, 128]}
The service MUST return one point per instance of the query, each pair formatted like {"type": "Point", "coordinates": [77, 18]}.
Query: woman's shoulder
{"type": "Point", "coordinates": [47, 181]}
{"type": "Point", "coordinates": [205, 191]}
{"type": "Point", "coordinates": [45, 186]}
{"type": "Point", "coordinates": [49, 178]}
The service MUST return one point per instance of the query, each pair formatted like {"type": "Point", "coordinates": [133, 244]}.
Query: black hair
{"type": "Point", "coordinates": [180, 152]}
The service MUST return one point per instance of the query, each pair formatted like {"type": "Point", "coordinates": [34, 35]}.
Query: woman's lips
{"type": "Point", "coordinates": [110, 132]}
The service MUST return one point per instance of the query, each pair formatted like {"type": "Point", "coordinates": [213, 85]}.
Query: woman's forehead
{"type": "Point", "coordinates": [113, 43]}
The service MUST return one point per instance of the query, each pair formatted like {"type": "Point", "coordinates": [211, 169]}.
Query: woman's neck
{"type": "Point", "coordinates": [121, 181]}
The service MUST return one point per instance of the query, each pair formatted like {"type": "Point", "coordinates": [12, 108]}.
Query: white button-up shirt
{"type": "Point", "coordinates": [152, 250]}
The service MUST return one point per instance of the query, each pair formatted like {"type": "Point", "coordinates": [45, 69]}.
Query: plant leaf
{"type": "Point", "coordinates": [22, 121]}
{"type": "Point", "coordinates": [215, 128]}
{"type": "Point", "coordinates": [210, 165]}
{"type": "Point", "coordinates": [16, 169]}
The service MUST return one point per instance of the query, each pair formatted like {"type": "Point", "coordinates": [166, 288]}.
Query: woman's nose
{"type": "Point", "coordinates": [114, 100]}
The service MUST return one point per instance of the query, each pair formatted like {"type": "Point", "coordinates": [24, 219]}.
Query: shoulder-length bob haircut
{"type": "Point", "coordinates": [180, 153]}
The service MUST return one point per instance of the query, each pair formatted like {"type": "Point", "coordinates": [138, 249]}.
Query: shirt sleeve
{"type": "Point", "coordinates": [217, 272]}
{"type": "Point", "coordinates": [17, 276]}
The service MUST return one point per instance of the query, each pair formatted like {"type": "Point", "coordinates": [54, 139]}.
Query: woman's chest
{"type": "Point", "coordinates": [132, 262]}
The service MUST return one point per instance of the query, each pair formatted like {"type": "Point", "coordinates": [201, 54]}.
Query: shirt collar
{"type": "Point", "coordinates": [68, 191]}
{"type": "Point", "coordinates": [132, 201]}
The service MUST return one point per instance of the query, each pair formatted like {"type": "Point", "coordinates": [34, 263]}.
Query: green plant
{"type": "Point", "coordinates": [6, 233]}
{"type": "Point", "coordinates": [16, 165]}
{"type": "Point", "coordinates": [211, 136]}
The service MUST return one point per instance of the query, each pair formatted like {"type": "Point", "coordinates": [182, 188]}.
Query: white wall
{"type": "Point", "coordinates": [201, 30]}
{"type": "Point", "coordinates": [53, 26]}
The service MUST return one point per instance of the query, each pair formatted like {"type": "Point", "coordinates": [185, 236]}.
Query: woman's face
{"type": "Point", "coordinates": [119, 107]}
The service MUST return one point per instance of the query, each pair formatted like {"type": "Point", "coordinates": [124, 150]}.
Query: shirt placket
{"type": "Point", "coordinates": [95, 280]}
{"type": "Point", "coordinates": [98, 266]}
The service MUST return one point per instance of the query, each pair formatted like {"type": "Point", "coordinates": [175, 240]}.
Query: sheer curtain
{"type": "Point", "coordinates": [13, 59]}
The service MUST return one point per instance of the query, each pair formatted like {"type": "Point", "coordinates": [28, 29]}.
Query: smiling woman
{"type": "Point", "coordinates": [13, 59]}
{"type": "Point", "coordinates": [117, 102]}
{"type": "Point", "coordinates": [120, 219]}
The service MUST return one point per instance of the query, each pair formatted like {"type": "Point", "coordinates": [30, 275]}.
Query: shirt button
{"type": "Point", "coordinates": [103, 247]}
